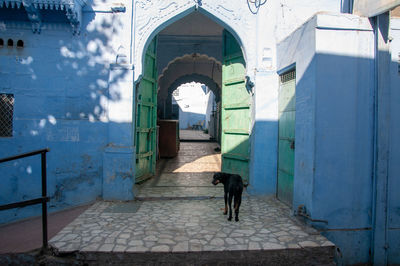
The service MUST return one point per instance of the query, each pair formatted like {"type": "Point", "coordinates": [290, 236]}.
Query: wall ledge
{"type": "Point", "coordinates": [122, 66]}
{"type": "Point", "coordinates": [339, 21]}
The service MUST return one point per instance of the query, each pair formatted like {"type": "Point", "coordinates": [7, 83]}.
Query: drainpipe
{"type": "Point", "coordinates": [379, 240]}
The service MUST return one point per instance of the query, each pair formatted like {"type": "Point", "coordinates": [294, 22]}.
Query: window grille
{"type": "Point", "coordinates": [288, 76]}
{"type": "Point", "coordinates": [6, 114]}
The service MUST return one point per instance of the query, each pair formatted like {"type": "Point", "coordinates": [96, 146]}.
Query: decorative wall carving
{"type": "Point", "coordinates": [33, 16]}
{"type": "Point", "coordinates": [233, 15]}
{"type": "Point", "coordinates": [72, 9]}
{"type": "Point", "coordinates": [149, 15]}
{"type": "Point", "coordinates": [152, 15]}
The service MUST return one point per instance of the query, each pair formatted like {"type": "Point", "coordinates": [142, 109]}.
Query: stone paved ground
{"type": "Point", "coordinates": [187, 175]}
{"type": "Point", "coordinates": [188, 134]}
{"type": "Point", "coordinates": [186, 225]}
{"type": "Point", "coordinates": [180, 211]}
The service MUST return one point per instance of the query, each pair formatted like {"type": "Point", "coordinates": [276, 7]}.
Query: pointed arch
{"type": "Point", "coordinates": [166, 101]}
{"type": "Point", "coordinates": [211, 84]}
{"type": "Point", "coordinates": [188, 65]}
{"type": "Point", "coordinates": [153, 16]}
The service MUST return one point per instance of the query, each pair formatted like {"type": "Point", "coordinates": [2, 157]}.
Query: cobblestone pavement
{"type": "Point", "coordinates": [181, 211]}
{"type": "Point", "coordinates": [185, 225]}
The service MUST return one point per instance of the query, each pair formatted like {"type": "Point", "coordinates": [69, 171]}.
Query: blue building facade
{"type": "Point", "coordinates": [69, 71]}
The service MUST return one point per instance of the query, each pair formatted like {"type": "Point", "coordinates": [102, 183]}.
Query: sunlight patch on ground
{"type": "Point", "coordinates": [208, 163]}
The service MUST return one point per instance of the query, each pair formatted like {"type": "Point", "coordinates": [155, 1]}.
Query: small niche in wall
{"type": "Point", "coordinates": [10, 43]}
{"type": "Point", "coordinates": [1, 43]}
{"type": "Point", "coordinates": [20, 44]}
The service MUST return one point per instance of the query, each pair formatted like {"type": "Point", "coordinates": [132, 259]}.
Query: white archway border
{"type": "Point", "coordinates": [151, 17]}
{"type": "Point", "coordinates": [172, 70]}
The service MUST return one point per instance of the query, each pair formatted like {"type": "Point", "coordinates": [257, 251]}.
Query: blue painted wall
{"type": "Point", "coordinates": [264, 135]}
{"type": "Point", "coordinates": [394, 152]}
{"type": "Point", "coordinates": [264, 179]}
{"type": "Point", "coordinates": [344, 152]}
{"type": "Point", "coordinates": [335, 85]}
{"type": "Point", "coordinates": [60, 83]}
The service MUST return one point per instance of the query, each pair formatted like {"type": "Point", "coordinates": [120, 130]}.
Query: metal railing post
{"type": "Point", "coordinates": [44, 202]}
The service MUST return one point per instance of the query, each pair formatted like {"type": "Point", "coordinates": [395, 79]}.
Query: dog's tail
{"type": "Point", "coordinates": [240, 187]}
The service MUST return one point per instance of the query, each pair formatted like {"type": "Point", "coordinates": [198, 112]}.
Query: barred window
{"type": "Point", "coordinates": [6, 114]}
{"type": "Point", "coordinates": [288, 76]}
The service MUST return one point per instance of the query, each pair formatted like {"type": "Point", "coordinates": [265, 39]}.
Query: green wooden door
{"type": "Point", "coordinates": [287, 113]}
{"type": "Point", "coordinates": [235, 113]}
{"type": "Point", "coordinates": [146, 117]}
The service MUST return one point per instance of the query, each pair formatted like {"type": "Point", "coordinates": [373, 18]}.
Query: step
{"type": "Point", "coordinates": [304, 256]}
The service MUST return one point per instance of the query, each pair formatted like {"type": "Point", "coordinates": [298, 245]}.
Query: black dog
{"type": "Point", "coordinates": [233, 188]}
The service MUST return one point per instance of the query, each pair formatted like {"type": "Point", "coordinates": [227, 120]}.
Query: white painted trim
{"type": "Point", "coordinates": [338, 21]}
{"type": "Point", "coordinates": [372, 8]}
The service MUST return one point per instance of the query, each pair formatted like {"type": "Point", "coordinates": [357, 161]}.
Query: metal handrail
{"type": "Point", "coordinates": [43, 200]}
{"type": "Point", "coordinates": [23, 155]}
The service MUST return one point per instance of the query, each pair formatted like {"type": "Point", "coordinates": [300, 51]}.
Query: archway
{"type": "Point", "coordinates": [188, 68]}
{"type": "Point", "coordinates": [236, 97]}
{"type": "Point", "coordinates": [195, 65]}
{"type": "Point", "coordinates": [165, 97]}
{"type": "Point", "coordinates": [151, 17]}
{"type": "Point", "coordinates": [210, 83]}
{"type": "Point", "coordinates": [210, 120]}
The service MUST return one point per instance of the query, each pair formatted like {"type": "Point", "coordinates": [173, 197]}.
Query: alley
{"type": "Point", "coordinates": [180, 211]}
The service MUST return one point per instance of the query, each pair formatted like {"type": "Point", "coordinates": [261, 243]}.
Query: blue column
{"type": "Point", "coordinates": [264, 134]}
{"type": "Point", "coordinates": [119, 154]}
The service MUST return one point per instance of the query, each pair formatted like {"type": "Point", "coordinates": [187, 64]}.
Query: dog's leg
{"type": "Point", "coordinates": [236, 203]}
{"type": "Point", "coordinates": [226, 203]}
{"type": "Point", "coordinates": [230, 206]}
{"type": "Point", "coordinates": [237, 206]}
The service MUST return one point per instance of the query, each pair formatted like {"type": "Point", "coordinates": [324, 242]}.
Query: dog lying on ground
{"type": "Point", "coordinates": [233, 188]}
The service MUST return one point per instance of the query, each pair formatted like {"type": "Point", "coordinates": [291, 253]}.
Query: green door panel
{"type": "Point", "coordinates": [235, 113]}
{"type": "Point", "coordinates": [146, 117]}
{"type": "Point", "coordinates": [286, 141]}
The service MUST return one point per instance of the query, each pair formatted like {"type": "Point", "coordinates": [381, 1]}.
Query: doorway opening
{"type": "Point", "coordinates": [194, 107]}
{"type": "Point", "coordinates": [193, 64]}
{"type": "Point", "coordinates": [190, 86]}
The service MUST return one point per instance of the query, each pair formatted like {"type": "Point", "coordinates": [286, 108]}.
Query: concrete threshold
{"type": "Point", "coordinates": [304, 256]}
